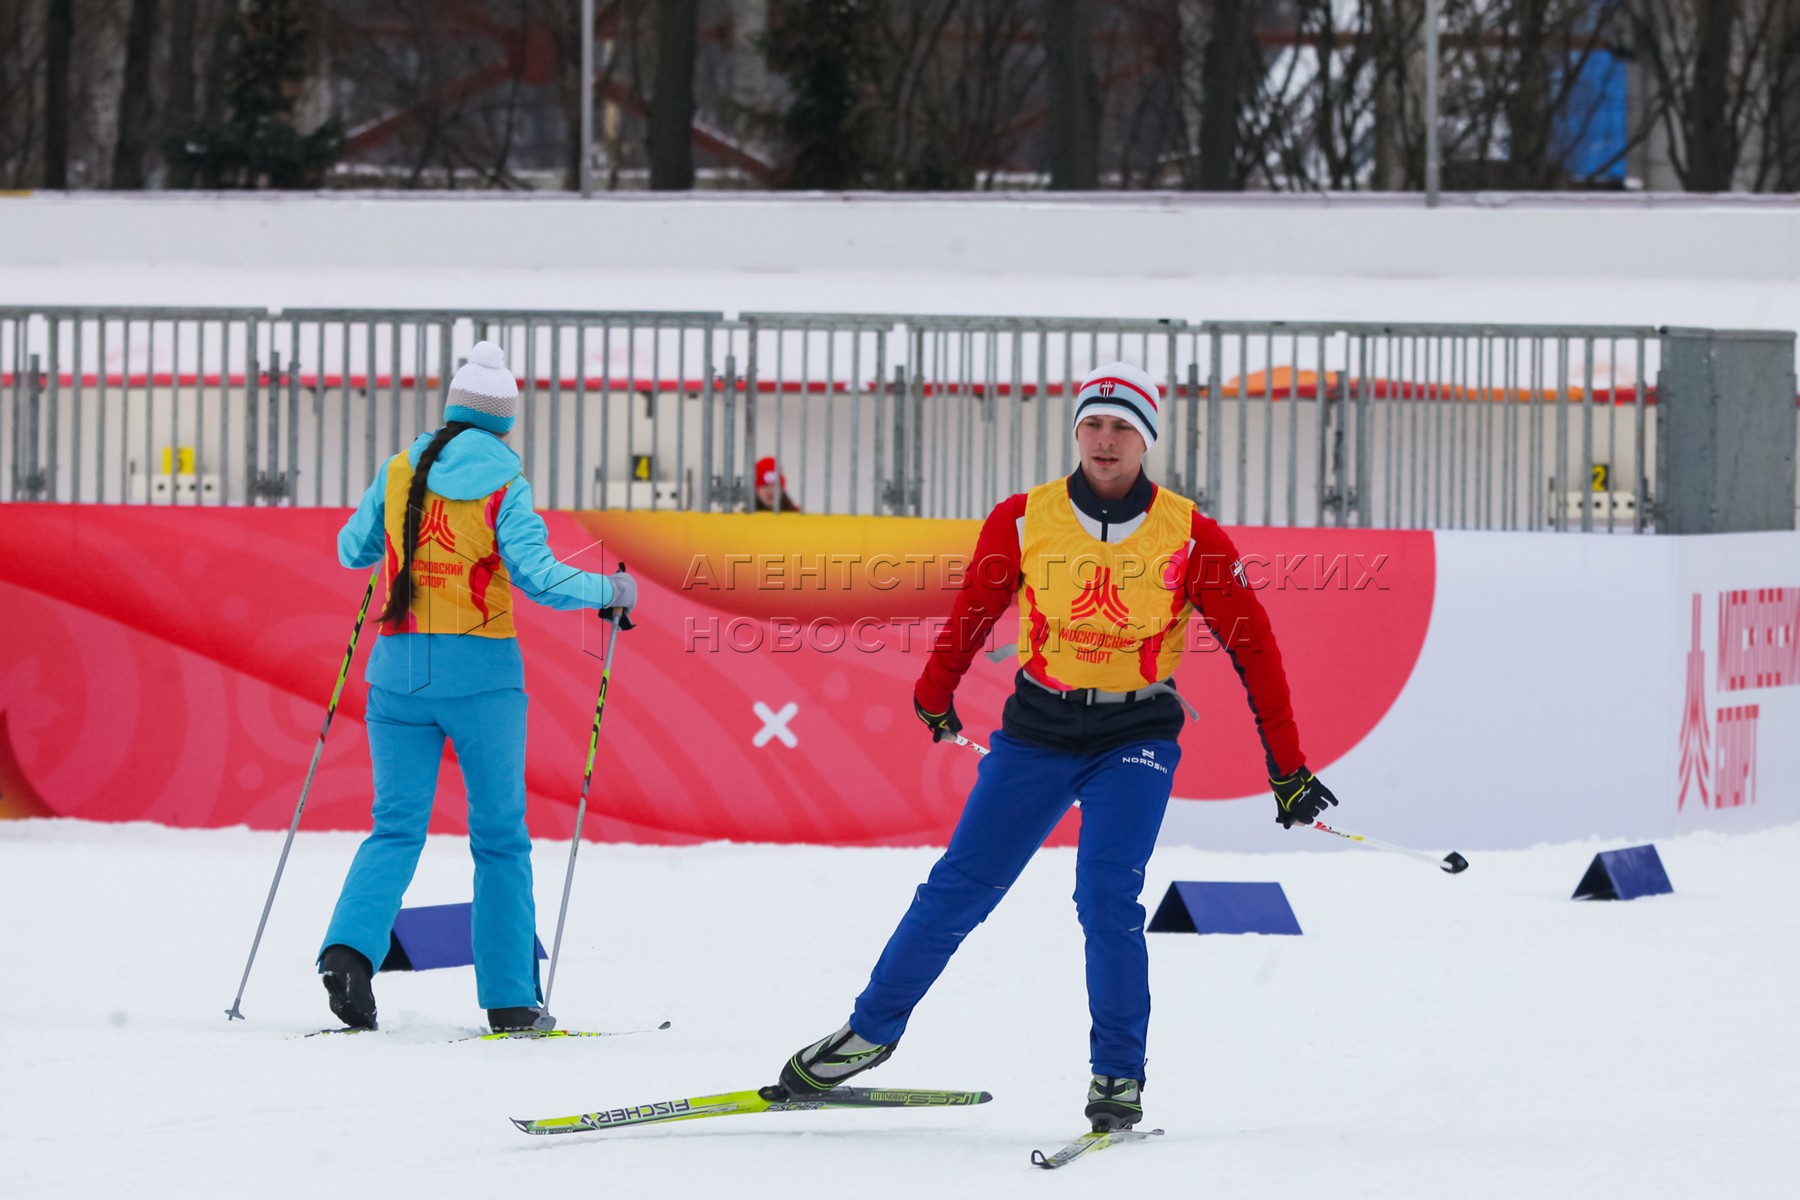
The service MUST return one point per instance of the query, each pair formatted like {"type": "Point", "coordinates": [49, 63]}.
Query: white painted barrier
{"type": "Point", "coordinates": [1713, 263]}
{"type": "Point", "coordinates": [1574, 686]}
{"type": "Point", "coordinates": [1157, 234]}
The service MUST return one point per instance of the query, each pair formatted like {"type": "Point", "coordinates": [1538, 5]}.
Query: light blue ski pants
{"type": "Point", "coordinates": [406, 746]}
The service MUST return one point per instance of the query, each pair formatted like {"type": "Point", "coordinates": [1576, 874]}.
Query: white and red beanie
{"type": "Point", "coordinates": [483, 391]}
{"type": "Point", "coordinates": [1121, 389]}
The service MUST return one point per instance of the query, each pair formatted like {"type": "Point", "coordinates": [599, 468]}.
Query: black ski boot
{"type": "Point", "coordinates": [520, 1020]}
{"type": "Point", "coordinates": [831, 1061]}
{"type": "Point", "coordinates": [1115, 1103]}
{"type": "Point", "coordinates": [346, 974]}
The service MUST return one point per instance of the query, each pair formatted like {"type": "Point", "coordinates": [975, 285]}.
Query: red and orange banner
{"type": "Point", "coordinates": [172, 665]}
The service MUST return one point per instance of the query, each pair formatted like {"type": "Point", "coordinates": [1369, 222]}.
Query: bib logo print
{"type": "Point", "coordinates": [1100, 595]}
{"type": "Point", "coordinates": [434, 526]}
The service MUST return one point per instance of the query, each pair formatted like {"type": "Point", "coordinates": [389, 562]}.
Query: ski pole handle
{"type": "Point", "coordinates": [1451, 864]}
{"type": "Point", "coordinates": [621, 617]}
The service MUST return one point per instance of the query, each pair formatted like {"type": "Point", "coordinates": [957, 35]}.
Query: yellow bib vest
{"type": "Point", "coordinates": [1094, 614]}
{"type": "Point", "coordinates": [460, 585]}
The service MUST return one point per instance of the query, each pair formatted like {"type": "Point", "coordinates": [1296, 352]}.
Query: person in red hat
{"type": "Point", "coordinates": [771, 488]}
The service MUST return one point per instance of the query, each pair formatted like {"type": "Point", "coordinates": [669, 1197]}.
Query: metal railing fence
{"type": "Point", "coordinates": [1428, 426]}
{"type": "Point", "coordinates": [594, 388]}
{"type": "Point", "coordinates": [1374, 425]}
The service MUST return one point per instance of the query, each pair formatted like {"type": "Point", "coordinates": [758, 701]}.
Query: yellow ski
{"type": "Point", "coordinates": [1099, 1139]}
{"type": "Point", "coordinates": [734, 1104]}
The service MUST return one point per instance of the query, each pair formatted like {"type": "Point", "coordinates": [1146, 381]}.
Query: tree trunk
{"type": "Point", "coordinates": [1711, 142]}
{"type": "Point", "coordinates": [1074, 96]}
{"type": "Point", "coordinates": [1388, 65]}
{"type": "Point", "coordinates": [58, 24]}
{"type": "Point", "coordinates": [1785, 125]}
{"type": "Point", "coordinates": [1222, 73]}
{"type": "Point", "coordinates": [179, 116]}
{"type": "Point", "coordinates": [672, 101]}
{"type": "Point", "coordinates": [134, 99]}
{"type": "Point", "coordinates": [564, 20]}
{"type": "Point", "coordinates": [1528, 101]}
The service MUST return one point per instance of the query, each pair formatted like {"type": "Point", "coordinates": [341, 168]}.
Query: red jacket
{"type": "Point", "coordinates": [1229, 608]}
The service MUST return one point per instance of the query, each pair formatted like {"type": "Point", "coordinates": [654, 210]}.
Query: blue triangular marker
{"type": "Point", "coordinates": [1192, 907]}
{"type": "Point", "coordinates": [1624, 875]}
{"type": "Point", "coordinates": [434, 936]}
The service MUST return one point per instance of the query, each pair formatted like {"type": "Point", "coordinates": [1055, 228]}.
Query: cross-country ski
{"type": "Point", "coordinates": [538, 1035]}
{"type": "Point", "coordinates": [1088, 1143]}
{"type": "Point", "coordinates": [771, 1099]}
{"type": "Point", "coordinates": [509, 1035]}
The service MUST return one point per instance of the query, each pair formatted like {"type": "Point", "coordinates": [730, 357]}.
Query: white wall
{"type": "Point", "coordinates": [1547, 702]}
{"type": "Point", "coordinates": [1157, 235]}
{"type": "Point", "coordinates": [1573, 260]}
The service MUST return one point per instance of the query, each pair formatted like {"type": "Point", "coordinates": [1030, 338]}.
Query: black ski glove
{"type": "Point", "coordinates": [942, 725]}
{"type": "Point", "coordinates": [1300, 798]}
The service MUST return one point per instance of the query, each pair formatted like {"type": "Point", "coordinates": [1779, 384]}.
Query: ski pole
{"type": "Point", "coordinates": [977, 747]}
{"type": "Point", "coordinates": [337, 689]}
{"type": "Point", "coordinates": [620, 622]}
{"type": "Point", "coordinates": [1452, 863]}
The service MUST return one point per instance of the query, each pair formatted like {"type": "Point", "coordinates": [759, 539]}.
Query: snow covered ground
{"type": "Point", "coordinates": [1472, 1036]}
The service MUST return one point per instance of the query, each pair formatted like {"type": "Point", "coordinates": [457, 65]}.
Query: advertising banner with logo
{"type": "Point", "coordinates": [1736, 624]}
{"type": "Point", "coordinates": [1482, 690]}
{"type": "Point", "coordinates": [1555, 698]}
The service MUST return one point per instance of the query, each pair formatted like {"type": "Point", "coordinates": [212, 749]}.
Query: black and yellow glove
{"type": "Point", "coordinates": [942, 725]}
{"type": "Point", "coordinates": [1300, 798]}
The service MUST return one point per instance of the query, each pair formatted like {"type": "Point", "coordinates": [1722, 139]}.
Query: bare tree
{"type": "Point", "coordinates": [945, 94]}
{"type": "Point", "coordinates": [959, 93]}
{"type": "Point", "coordinates": [1153, 94]}
{"type": "Point", "coordinates": [672, 101]}
{"type": "Point", "coordinates": [1311, 121]}
{"type": "Point", "coordinates": [183, 88]}
{"type": "Point", "coordinates": [1224, 93]}
{"type": "Point", "coordinates": [22, 93]}
{"type": "Point", "coordinates": [135, 136]}
{"type": "Point", "coordinates": [619, 72]}
{"type": "Point", "coordinates": [1781, 141]}
{"type": "Point", "coordinates": [58, 31]}
{"type": "Point", "coordinates": [1513, 73]}
{"type": "Point", "coordinates": [442, 96]}
{"type": "Point", "coordinates": [1712, 137]}
{"type": "Point", "coordinates": [1717, 87]}
{"type": "Point", "coordinates": [1074, 99]}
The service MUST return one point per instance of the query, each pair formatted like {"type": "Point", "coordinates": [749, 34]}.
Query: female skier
{"type": "Point", "coordinates": [451, 522]}
{"type": "Point", "coordinates": [1108, 568]}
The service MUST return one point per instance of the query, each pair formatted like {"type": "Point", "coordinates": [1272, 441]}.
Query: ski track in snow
{"type": "Point", "coordinates": [1476, 1036]}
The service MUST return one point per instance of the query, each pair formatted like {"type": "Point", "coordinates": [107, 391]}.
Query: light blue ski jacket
{"type": "Point", "coordinates": [475, 464]}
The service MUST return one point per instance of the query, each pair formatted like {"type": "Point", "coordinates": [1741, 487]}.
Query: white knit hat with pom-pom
{"type": "Point", "coordinates": [483, 391]}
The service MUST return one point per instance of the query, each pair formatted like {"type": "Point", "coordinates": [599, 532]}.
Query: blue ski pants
{"type": "Point", "coordinates": [1021, 793]}
{"type": "Point", "coordinates": [406, 746]}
